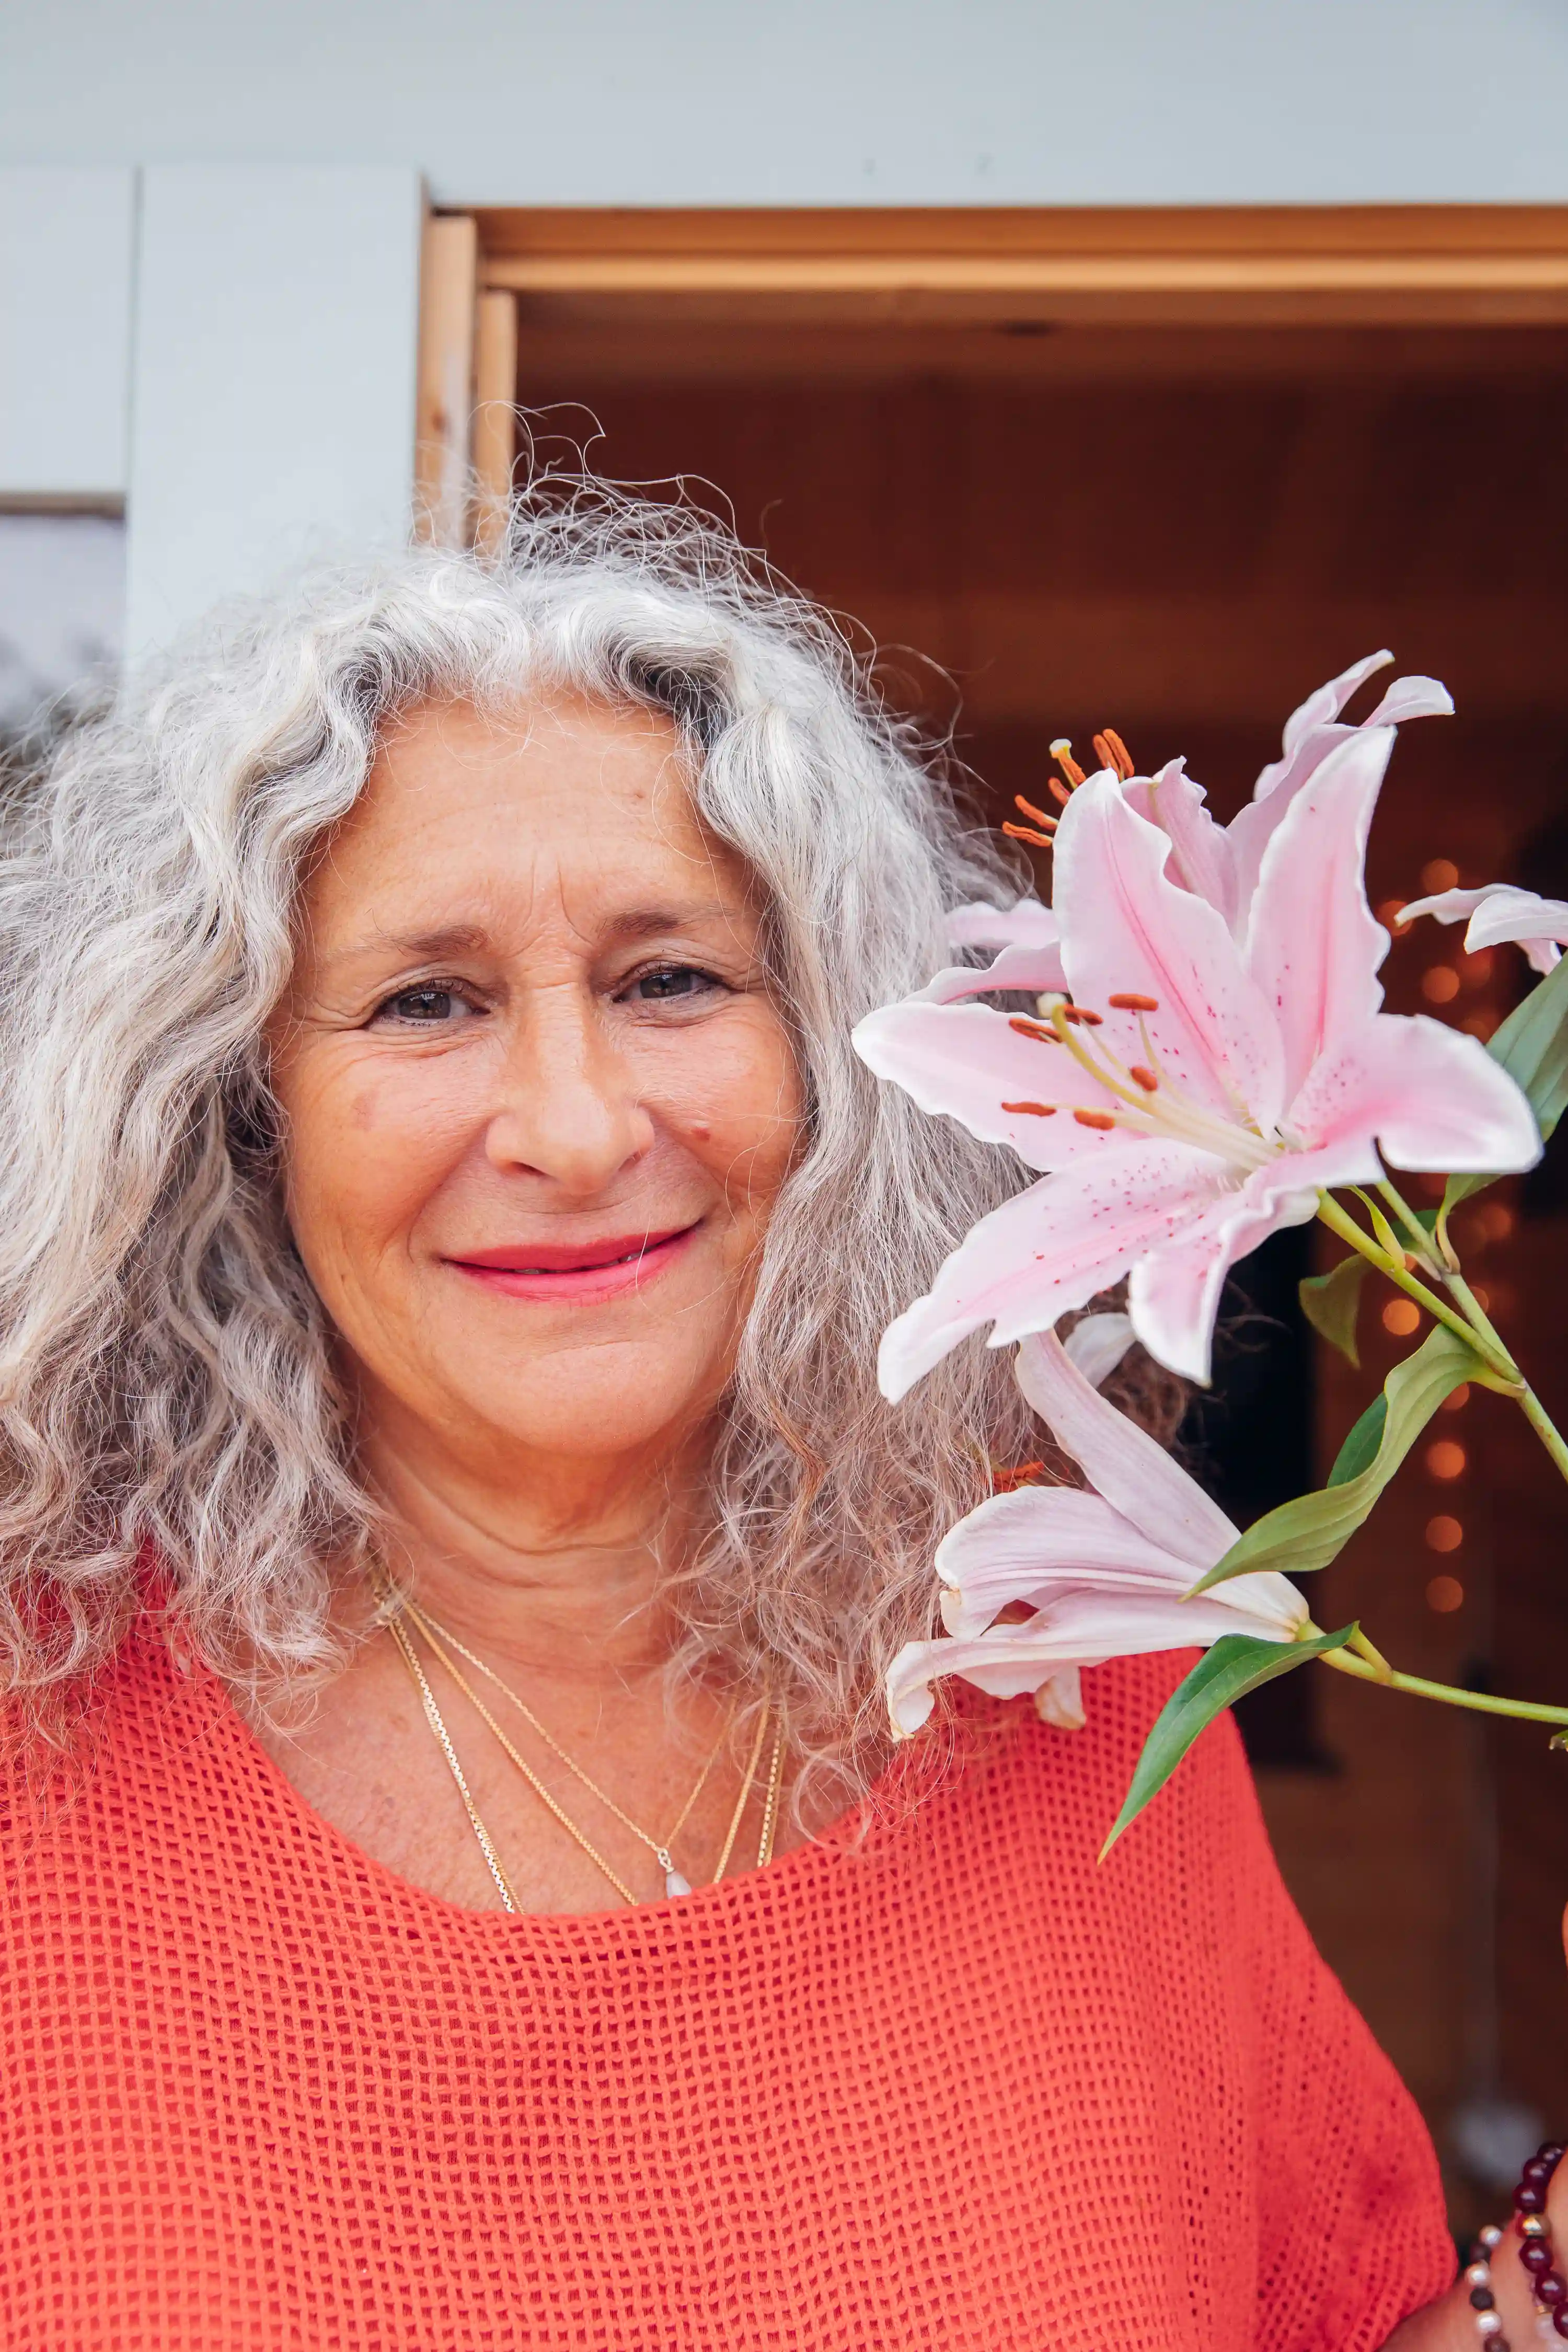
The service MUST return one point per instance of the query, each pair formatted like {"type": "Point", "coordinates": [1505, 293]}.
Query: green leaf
{"type": "Point", "coordinates": [1358, 1451]}
{"type": "Point", "coordinates": [1331, 1303]}
{"type": "Point", "coordinates": [1533, 1046]}
{"type": "Point", "coordinates": [1309, 1532]}
{"type": "Point", "coordinates": [1237, 1664]}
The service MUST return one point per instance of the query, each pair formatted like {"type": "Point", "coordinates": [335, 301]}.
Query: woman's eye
{"type": "Point", "coordinates": [429, 1007]}
{"type": "Point", "coordinates": [671, 983]}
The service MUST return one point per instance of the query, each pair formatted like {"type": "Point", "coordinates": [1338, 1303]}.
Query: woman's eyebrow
{"type": "Point", "coordinates": [475, 939]}
{"type": "Point", "coordinates": [450, 939]}
{"type": "Point", "coordinates": [644, 923]}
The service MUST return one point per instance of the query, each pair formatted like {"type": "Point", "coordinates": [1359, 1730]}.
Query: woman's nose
{"type": "Point", "coordinates": [568, 1107]}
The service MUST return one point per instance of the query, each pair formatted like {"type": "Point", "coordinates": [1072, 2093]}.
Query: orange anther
{"type": "Point", "coordinates": [1094, 1118]}
{"type": "Point", "coordinates": [1005, 1478]}
{"type": "Point", "coordinates": [1035, 816]}
{"type": "Point", "coordinates": [1035, 1110]}
{"type": "Point", "coordinates": [1027, 833]}
{"type": "Point", "coordinates": [1080, 1013]}
{"type": "Point", "coordinates": [1145, 1078]}
{"type": "Point", "coordinates": [1036, 1029]}
{"type": "Point", "coordinates": [1129, 1003]}
{"type": "Point", "coordinates": [1121, 757]}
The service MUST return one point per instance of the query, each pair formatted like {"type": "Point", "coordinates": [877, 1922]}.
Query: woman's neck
{"type": "Point", "coordinates": [557, 1565]}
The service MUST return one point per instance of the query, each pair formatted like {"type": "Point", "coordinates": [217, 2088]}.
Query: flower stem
{"type": "Point", "coordinates": [1480, 1702]}
{"type": "Point", "coordinates": [1485, 1343]}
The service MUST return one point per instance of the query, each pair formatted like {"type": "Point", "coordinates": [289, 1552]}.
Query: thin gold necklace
{"type": "Point", "coordinates": [482, 1836]}
{"type": "Point", "coordinates": [440, 1640]}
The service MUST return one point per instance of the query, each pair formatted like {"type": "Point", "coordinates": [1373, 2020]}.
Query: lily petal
{"type": "Point", "coordinates": [1499, 912]}
{"type": "Point", "coordinates": [1139, 1479]}
{"type": "Point", "coordinates": [1430, 1095]}
{"type": "Point", "coordinates": [1028, 1545]}
{"type": "Point", "coordinates": [1029, 923]}
{"type": "Point", "coordinates": [1323, 706]}
{"type": "Point", "coordinates": [1082, 1629]}
{"type": "Point", "coordinates": [1097, 1343]}
{"type": "Point", "coordinates": [1173, 1292]}
{"type": "Point", "coordinates": [1314, 943]}
{"type": "Point", "coordinates": [1312, 733]}
{"type": "Point", "coordinates": [1033, 970]}
{"type": "Point", "coordinates": [1128, 927]}
{"type": "Point", "coordinates": [1051, 1249]}
{"type": "Point", "coordinates": [968, 1061]}
{"type": "Point", "coordinates": [1200, 857]}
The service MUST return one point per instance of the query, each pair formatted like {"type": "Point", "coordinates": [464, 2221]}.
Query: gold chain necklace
{"type": "Point", "coordinates": [675, 1884]}
{"type": "Point", "coordinates": [440, 1640]}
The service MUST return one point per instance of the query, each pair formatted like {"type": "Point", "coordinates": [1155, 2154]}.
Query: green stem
{"type": "Point", "coordinates": [1415, 1229]}
{"type": "Point", "coordinates": [1545, 1428]}
{"type": "Point", "coordinates": [1486, 1345]}
{"type": "Point", "coordinates": [1481, 1702]}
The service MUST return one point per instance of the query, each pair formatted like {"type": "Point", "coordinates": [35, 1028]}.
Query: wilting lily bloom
{"type": "Point", "coordinates": [1199, 1089]}
{"type": "Point", "coordinates": [1499, 912]}
{"type": "Point", "coordinates": [1101, 1570]}
{"type": "Point", "coordinates": [1222, 863]}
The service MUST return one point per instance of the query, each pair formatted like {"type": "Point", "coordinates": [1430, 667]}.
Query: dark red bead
{"type": "Point", "coordinates": [1497, 2344]}
{"type": "Point", "coordinates": [1536, 2254]}
{"type": "Point", "coordinates": [1529, 2199]}
{"type": "Point", "coordinates": [1552, 2289]}
{"type": "Point", "coordinates": [1550, 2152]}
{"type": "Point", "coordinates": [1539, 2171]}
{"type": "Point", "coordinates": [1560, 2321]}
{"type": "Point", "coordinates": [1482, 2298]}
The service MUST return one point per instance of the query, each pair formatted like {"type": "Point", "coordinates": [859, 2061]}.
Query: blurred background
{"type": "Point", "coordinates": [1142, 365]}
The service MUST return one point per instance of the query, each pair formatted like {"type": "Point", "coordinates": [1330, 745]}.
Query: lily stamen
{"type": "Point", "coordinates": [1113, 753]}
{"type": "Point", "coordinates": [1062, 752]}
{"type": "Point", "coordinates": [1035, 1111]}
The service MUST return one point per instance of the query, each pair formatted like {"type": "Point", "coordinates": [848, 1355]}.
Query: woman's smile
{"type": "Point", "coordinates": [579, 1273]}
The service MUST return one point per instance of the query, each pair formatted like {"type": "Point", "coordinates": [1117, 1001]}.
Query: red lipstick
{"type": "Point", "coordinates": [584, 1272]}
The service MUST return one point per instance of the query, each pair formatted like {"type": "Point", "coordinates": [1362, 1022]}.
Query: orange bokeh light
{"type": "Point", "coordinates": [1440, 983]}
{"type": "Point", "coordinates": [1401, 1317]}
{"type": "Point", "coordinates": [1444, 1533]}
{"type": "Point", "coordinates": [1445, 1594]}
{"type": "Point", "coordinates": [1439, 874]}
{"type": "Point", "coordinates": [1444, 1459]}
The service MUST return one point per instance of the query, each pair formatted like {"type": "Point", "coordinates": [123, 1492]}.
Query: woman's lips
{"type": "Point", "coordinates": [583, 1273]}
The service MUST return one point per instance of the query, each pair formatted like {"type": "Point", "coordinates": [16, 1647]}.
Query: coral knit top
{"type": "Point", "coordinates": [949, 2085]}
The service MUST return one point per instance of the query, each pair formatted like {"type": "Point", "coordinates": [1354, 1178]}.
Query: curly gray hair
{"type": "Point", "coordinates": [167, 1379]}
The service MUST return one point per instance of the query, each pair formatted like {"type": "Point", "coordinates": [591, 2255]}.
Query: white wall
{"type": "Point", "coordinates": [817, 101]}
{"type": "Point", "coordinates": [273, 394]}
{"type": "Point", "coordinates": [66, 261]}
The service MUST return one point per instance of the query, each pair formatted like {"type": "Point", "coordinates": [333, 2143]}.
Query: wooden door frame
{"type": "Point", "coordinates": [1467, 266]}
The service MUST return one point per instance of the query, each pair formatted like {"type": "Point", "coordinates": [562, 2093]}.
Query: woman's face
{"type": "Point", "coordinates": [538, 1102]}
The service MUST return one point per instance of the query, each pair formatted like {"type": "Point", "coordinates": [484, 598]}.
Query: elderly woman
{"type": "Point", "coordinates": [459, 1891]}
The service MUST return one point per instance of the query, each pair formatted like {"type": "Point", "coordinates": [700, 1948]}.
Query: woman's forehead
{"type": "Point", "coordinates": [473, 820]}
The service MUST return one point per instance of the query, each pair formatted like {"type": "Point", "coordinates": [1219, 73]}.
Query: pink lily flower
{"type": "Point", "coordinates": [1497, 912]}
{"type": "Point", "coordinates": [1200, 1090]}
{"type": "Point", "coordinates": [1222, 863]}
{"type": "Point", "coordinates": [1102, 1568]}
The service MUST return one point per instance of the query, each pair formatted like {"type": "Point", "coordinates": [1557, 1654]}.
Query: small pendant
{"type": "Point", "coordinates": [675, 1885]}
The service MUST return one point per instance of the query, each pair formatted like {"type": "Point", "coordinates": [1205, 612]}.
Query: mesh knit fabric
{"type": "Point", "coordinates": [954, 2086]}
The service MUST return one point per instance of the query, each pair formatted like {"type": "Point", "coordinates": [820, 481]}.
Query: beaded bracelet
{"type": "Point", "coordinates": [1550, 2286]}
{"type": "Point", "coordinates": [1547, 2283]}
{"type": "Point", "coordinates": [1478, 2279]}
